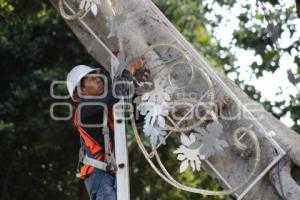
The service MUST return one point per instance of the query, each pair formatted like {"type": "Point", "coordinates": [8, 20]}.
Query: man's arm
{"type": "Point", "coordinates": [120, 87]}
{"type": "Point", "coordinates": [122, 82]}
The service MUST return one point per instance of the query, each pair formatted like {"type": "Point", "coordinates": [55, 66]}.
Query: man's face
{"type": "Point", "coordinates": [92, 85]}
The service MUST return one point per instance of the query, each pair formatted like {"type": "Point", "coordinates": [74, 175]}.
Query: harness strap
{"type": "Point", "coordinates": [110, 118]}
{"type": "Point", "coordinates": [95, 163]}
{"type": "Point", "coordinates": [105, 132]}
{"type": "Point", "coordinates": [91, 144]}
{"type": "Point", "coordinates": [108, 145]}
{"type": "Point", "coordinates": [93, 149]}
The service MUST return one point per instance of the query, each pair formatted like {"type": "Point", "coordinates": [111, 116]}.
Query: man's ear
{"type": "Point", "coordinates": [81, 90]}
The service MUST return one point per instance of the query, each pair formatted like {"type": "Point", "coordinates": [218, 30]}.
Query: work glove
{"type": "Point", "coordinates": [142, 75]}
{"type": "Point", "coordinates": [142, 81]}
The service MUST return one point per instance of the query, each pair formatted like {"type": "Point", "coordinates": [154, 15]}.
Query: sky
{"type": "Point", "coordinates": [270, 83]}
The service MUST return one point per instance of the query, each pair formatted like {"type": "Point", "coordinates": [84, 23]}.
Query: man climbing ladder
{"type": "Point", "coordinates": [94, 121]}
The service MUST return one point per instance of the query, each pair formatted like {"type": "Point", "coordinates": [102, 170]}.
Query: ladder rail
{"type": "Point", "coordinates": [121, 153]}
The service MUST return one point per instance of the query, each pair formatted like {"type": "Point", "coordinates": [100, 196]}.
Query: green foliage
{"type": "Point", "coordinates": [35, 149]}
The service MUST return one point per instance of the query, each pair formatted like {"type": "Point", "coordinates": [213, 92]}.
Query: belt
{"type": "Point", "coordinates": [94, 163]}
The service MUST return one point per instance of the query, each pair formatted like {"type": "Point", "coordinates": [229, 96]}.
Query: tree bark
{"type": "Point", "coordinates": [145, 27]}
{"type": "Point", "coordinates": [298, 7]}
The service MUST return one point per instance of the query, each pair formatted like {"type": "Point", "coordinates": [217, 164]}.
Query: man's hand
{"type": "Point", "coordinates": [135, 64]}
{"type": "Point", "coordinates": [142, 81]}
{"type": "Point", "coordinates": [142, 75]}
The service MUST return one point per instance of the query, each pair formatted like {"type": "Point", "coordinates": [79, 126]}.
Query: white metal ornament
{"type": "Point", "coordinates": [154, 107]}
{"type": "Point", "coordinates": [189, 156]}
{"type": "Point", "coordinates": [90, 5]}
{"type": "Point", "coordinates": [186, 154]}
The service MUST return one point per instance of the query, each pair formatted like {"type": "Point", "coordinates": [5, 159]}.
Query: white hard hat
{"type": "Point", "coordinates": [75, 75]}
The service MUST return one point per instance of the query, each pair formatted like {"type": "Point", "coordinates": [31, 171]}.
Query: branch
{"type": "Point", "coordinates": [298, 7]}
{"type": "Point", "coordinates": [283, 181]}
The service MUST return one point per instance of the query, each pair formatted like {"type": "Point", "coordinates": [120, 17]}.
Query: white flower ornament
{"type": "Point", "coordinates": [189, 156]}
{"type": "Point", "coordinates": [90, 4]}
{"type": "Point", "coordinates": [155, 107]}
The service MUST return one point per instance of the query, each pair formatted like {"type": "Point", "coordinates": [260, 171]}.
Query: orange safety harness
{"type": "Point", "coordinates": [92, 145]}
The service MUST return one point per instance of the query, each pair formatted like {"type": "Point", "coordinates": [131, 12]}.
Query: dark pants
{"type": "Point", "coordinates": [101, 186]}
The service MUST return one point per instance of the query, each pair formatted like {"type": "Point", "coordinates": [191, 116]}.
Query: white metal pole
{"type": "Point", "coordinates": [123, 191]}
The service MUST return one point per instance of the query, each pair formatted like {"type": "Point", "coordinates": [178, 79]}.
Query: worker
{"type": "Point", "coordinates": [87, 88]}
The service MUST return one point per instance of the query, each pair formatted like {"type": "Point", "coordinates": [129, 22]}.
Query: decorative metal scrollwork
{"type": "Point", "coordinates": [67, 16]}
{"type": "Point", "coordinates": [200, 140]}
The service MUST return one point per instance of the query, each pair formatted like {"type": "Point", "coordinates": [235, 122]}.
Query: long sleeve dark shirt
{"type": "Point", "coordinates": [91, 114]}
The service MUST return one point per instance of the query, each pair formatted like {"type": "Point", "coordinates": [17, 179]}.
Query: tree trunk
{"type": "Point", "coordinates": [144, 27]}
{"type": "Point", "coordinates": [298, 7]}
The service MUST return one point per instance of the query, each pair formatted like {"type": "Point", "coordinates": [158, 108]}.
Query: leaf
{"type": "Point", "coordinates": [167, 97]}
{"type": "Point", "coordinates": [143, 108]}
{"type": "Point", "coordinates": [179, 150]}
{"type": "Point", "coordinates": [137, 100]}
{"type": "Point", "coordinates": [161, 121]}
{"type": "Point", "coordinates": [147, 130]}
{"type": "Point", "coordinates": [193, 165]}
{"type": "Point", "coordinates": [217, 146]}
{"type": "Point", "coordinates": [145, 97]}
{"type": "Point", "coordinates": [161, 139]}
{"type": "Point", "coordinates": [211, 144]}
{"type": "Point", "coordinates": [185, 140]}
{"type": "Point", "coordinates": [195, 145]}
{"type": "Point", "coordinates": [153, 140]}
{"type": "Point", "coordinates": [190, 155]}
{"type": "Point", "coordinates": [208, 147]}
{"type": "Point", "coordinates": [163, 133]}
{"type": "Point", "coordinates": [184, 165]}
{"type": "Point", "coordinates": [198, 165]}
{"type": "Point", "coordinates": [152, 121]}
{"type": "Point", "coordinates": [181, 157]}
{"type": "Point", "coordinates": [87, 5]}
{"type": "Point", "coordinates": [200, 130]}
{"type": "Point", "coordinates": [81, 5]}
{"type": "Point", "coordinates": [223, 143]}
{"type": "Point", "coordinates": [94, 9]}
{"type": "Point", "coordinates": [164, 110]}
{"type": "Point", "coordinates": [144, 111]}
{"type": "Point", "coordinates": [215, 128]}
{"type": "Point", "coordinates": [192, 137]}
{"type": "Point", "coordinates": [147, 119]}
